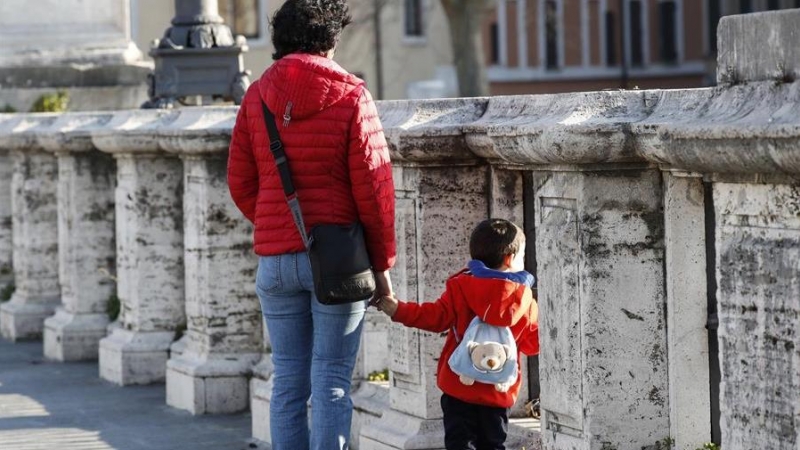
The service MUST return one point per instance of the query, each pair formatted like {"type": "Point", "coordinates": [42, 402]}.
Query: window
{"type": "Point", "coordinates": [635, 32]}
{"type": "Point", "coordinates": [243, 16]}
{"type": "Point", "coordinates": [413, 18]}
{"type": "Point", "coordinates": [551, 34]}
{"type": "Point", "coordinates": [713, 21]}
{"type": "Point", "coordinates": [745, 6]}
{"type": "Point", "coordinates": [773, 5]}
{"type": "Point", "coordinates": [611, 39]}
{"type": "Point", "coordinates": [668, 47]}
{"type": "Point", "coordinates": [494, 43]}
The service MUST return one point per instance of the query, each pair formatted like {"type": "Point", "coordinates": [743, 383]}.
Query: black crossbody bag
{"type": "Point", "coordinates": [338, 253]}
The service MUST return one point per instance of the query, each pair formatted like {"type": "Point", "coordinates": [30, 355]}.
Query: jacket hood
{"type": "Point", "coordinates": [300, 85]}
{"type": "Point", "coordinates": [498, 298]}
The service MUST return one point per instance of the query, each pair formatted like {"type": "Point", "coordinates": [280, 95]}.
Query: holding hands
{"type": "Point", "coordinates": [386, 304]}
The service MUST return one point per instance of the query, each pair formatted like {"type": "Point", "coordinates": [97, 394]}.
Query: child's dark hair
{"type": "Point", "coordinates": [308, 26]}
{"type": "Point", "coordinates": [493, 239]}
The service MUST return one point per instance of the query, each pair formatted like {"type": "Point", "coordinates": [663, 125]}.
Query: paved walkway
{"type": "Point", "coordinates": [66, 406]}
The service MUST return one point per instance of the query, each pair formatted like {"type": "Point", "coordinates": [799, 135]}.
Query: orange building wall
{"type": "Point", "coordinates": [694, 31]}
{"type": "Point", "coordinates": [572, 33]}
{"type": "Point", "coordinates": [486, 35]}
{"type": "Point", "coordinates": [613, 8]}
{"type": "Point", "coordinates": [532, 14]}
{"type": "Point", "coordinates": [594, 32]}
{"type": "Point", "coordinates": [511, 35]}
{"type": "Point", "coordinates": [654, 34]}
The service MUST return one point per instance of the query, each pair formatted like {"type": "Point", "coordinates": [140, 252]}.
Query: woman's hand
{"type": "Point", "coordinates": [383, 286]}
{"type": "Point", "coordinates": [387, 305]}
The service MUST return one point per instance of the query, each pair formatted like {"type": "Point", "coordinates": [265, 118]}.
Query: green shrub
{"type": "Point", "coordinates": [7, 292]}
{"type": "Point", "coordinates": [8, 109]}
{"type": "Point", "coordinates": [55, 102]}
{"type": "Point", "coordinates": [379, 375]}
{"type": "Point", "coordinates": [709, 446]}
{"type": "Point", "coordinates": [180, 330]}
{"type": "Point", "coordinates": [113, 307]}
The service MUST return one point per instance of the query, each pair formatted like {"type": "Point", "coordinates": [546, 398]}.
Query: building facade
{"type": "Point", "coordinates": [407, 39]}
{"type": "Point", "coordinates": [545, 46]}
{"type": "Point", "coordinates": [402, 47]}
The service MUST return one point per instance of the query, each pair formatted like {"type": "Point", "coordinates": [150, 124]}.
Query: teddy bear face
{"type": "Point", "coordinates": [488, 356]}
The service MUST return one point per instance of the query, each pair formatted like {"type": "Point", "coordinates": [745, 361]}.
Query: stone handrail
{"type": "Point", "coordinates": [748, 128]}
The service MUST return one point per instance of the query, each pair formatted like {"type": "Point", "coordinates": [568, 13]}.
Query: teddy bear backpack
{"type": "Point", "coordinates": [486, 354]}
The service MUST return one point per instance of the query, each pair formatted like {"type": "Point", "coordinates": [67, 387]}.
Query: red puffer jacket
{"type": "Point", "coordinates": [337, 155]}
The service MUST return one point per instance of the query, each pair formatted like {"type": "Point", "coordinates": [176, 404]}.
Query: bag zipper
{"type": "Point", "coordinates": [287, 114]}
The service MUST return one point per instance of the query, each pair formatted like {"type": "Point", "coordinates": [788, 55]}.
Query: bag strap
{"type": "Point", "coordinates": [279, 155]}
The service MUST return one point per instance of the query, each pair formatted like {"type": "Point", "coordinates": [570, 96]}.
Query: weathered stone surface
{"type": "Point", "coordinates": [429, 131]}
{"type": "Point", "coordinates": [6, 218]}
{"type": "Point", "coordinates": [757, 47]}
{"type": "Point", "coordinates": [150, 270]}
{"type": "Point", "coordinates": [436, 209]}
{"type": "Point", "coordinates": [580, 128]}
{"type": "Point", "coordinates": [600, 256]}
{"type": "Point", "coordinates": [260, 395]}
{"type": "Point", "coordinates": [223, 338]}
{"type": "Point", "coordinates": [35, 237]}
{"type": "Point", "coordinates": [67, 31]}
{"type": "Point", "coordinates": [749, 128]}
{"type": "Point", "coordinates": [758, 262]}
{"type": "Point", "coordinates": [687, 337]}
{"type": "Point", "coordinates": [86, 182]}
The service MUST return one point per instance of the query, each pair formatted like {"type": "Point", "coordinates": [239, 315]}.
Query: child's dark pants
{"type": "Point", "coordinates": [468, 426]}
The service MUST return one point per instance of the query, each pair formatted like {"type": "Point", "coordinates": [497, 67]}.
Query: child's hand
{"type": "Point", "coordinates": [386, 304]}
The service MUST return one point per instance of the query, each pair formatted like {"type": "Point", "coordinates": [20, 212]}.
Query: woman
{"type": "Point", "coordinates": [340, 166]}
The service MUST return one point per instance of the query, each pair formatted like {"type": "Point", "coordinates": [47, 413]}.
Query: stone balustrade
{"type": "Point", "coordinates": [660, 224]}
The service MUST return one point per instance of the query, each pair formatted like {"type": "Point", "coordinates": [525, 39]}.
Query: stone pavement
{"type": "Point", "coordinates": [66, 406]}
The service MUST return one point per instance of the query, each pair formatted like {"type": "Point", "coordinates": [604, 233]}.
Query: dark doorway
{"type": "Point", "coordinates": [712, 323]}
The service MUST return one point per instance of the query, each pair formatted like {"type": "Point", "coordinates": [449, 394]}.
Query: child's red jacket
{"type": "Point", "coordinates": [499, 302]}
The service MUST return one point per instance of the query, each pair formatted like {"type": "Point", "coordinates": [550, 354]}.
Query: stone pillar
{"type": "Point", "coordinates": [82, 47]}
{"type": "Point", "coordinates": [758, 262]}
{"type": "Point", "coordinates": [223, 337]}
{"type": "Point", "coordinates": [600, 257]}
{"type": "Point", "coordinates": [150, 271]}
{"type": "Point", "coordinates": [35, 238]}
{"type": "Point", "coordinates": [435, 211]}
{"type": "Point", "coordinates": [687, 337]}
{"type": "Point", "coordinates": [6, 241]}
{"type": "Point", "coordinates": [86, 181]}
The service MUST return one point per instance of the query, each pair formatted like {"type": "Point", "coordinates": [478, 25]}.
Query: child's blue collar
{"type": "Point", "coordinates": [479, 269]}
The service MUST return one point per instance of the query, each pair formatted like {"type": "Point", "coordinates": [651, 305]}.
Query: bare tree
{"type": "Point", "coordinates": [465, 17]}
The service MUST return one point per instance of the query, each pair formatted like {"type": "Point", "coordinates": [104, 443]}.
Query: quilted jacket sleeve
{"type": "Point", "coordinates": [371, 181]}
{"type": "Point", "coordinates": [435, 316]}
{"type": "Point", "coordinates": [527, 330]}
{"type": "Point", "coordinates": [242, 169]}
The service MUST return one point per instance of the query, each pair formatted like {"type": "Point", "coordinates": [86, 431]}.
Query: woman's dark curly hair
{"type": "Point", "coordinates": [308, 26]}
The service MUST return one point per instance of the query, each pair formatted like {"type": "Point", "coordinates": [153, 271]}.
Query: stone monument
{"type": "Point", "coordinates": [82, 47]}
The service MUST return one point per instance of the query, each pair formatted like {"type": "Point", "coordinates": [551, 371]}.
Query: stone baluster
{"type": "Point", "coordinates": [6, 218]}
{"type": "Point", "coordinates": [35, 230]}
{"type": "Point", "coordinates": [599, 255]}
{"type": "Point", "coordinates": [224, 324]}
{"type": "Point", "coordinates": [744, 137]}
{"type": "Point", "coordinates": [149, 241]}
{"type": "Point", "coordinates": [86, 258]}
{"type": "Point", "coordinates": [440, 195]}
{"type": "Point", "coordinates": [687, 304]}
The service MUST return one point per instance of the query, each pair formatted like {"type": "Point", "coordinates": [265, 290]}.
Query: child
{"type": "Point", "coordinates": [494, 287]}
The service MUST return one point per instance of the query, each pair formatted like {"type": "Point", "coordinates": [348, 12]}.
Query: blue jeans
{"type": "Point", "coordinates": [314, 348]}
